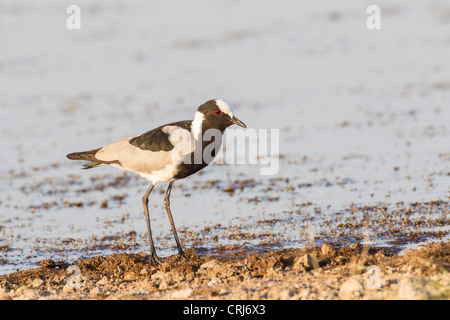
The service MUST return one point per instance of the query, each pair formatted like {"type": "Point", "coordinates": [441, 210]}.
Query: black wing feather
{"type": "Point", "coordinates": [157, 140]}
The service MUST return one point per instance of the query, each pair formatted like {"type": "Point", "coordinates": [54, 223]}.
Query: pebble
{"type": "Point", "coordinates": [303, 262]}
{"type": "Point", "coordinates": [211, 265]}
{"type": "Point", "coordinates": [351, 288]}
{"type": "Point", "coordinates": [407, 291]}
{"type": "Point", "coordinates": [145, 271]}
{"type": "Point", "coordinates": [326, 249]}
{"type": "Point", "coordinates": [3, 293]}
{"type": "Point", "coordinates": [37, 282]}
{"type": "Point", "coordinates": [183, 293]}
{"type": "Point", "coordinates": [67, 289]}
{"type": "Point", "coordinates": [103, 281]}
{"type": "Point", "coordinates": [27, 294]}
{"type": "Point", "coordinates": [95, 292]}
{"type": "Point", "coordinates": [286, 294]}
{"type": "Point", "coordinates": [129, 276]}
{"type": "Point", "coordinates": [214, 282]}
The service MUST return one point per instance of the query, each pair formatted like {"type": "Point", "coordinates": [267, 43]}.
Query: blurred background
{"type": "Point", "coordinates": [363, 118]}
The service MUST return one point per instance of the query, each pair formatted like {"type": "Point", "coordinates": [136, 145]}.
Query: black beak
{"type": "Point", "coordinates": [238, 122]}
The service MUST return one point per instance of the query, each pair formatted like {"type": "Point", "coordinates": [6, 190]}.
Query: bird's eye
{"type": "Point", "coordinates": [217, 111]}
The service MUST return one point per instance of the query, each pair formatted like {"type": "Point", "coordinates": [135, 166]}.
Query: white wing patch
{"type": "Point", "coordinates": [177, 135]}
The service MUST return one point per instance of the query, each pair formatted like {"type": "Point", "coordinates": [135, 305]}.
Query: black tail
{"type": "Point", "coordinates": [85, 155]}
{"type": "Point", "coordinates": [89, 156]}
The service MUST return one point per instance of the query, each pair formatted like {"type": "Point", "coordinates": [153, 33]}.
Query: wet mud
{"type": "Point", "coordinates": [326, 272]}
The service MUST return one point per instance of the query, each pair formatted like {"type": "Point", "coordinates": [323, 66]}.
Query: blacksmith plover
{"type": "Point", "coordinates": [168, 153]}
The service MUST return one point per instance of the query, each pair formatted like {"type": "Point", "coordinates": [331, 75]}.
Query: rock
{"type": "Point", "coordinates": [214, 282]}
{"type": "Point", "coordinates": [103, 281]}
{"type": "Point", "coordinates": [27, 294]}
{"type": "Point", "coordinates": [129, 276]}
{"type": "Point", "coordinates": [303, 262]}
{"type": "Point", "coordinates": [274, 273]}
{"type": "Point", "coordinates": [145, 284]}
{"type": "Point", "coordinates": [3, 292]}
{"type": "Point", "coordinates": [183, 293]}
{"type": "Point", "coordinates": [408, 291]}
{"type": "Point", "coordinates": [304, 295]}
{"type": "Point", "coordinates": [37, 282]}
{"type": "Point", "coordinates": [211, 268]}
{"type": "Point", "coordinates": [327, 249]}
{"type": "Point", "coordinates": [298, 265]}
{"type": "Point", "coordinates": [145, 271]}
{"type": "Point", "coordinates": [307, 261]}
{"type": "Point", "coordinates": [68, 289]}
{"type": "Point", "coordinates": [351, 288]}
{"type": "Point", "coordinates": [341, 259]}
{"type": "Point", "coordinates": [286, 294]}
{"type": "Point", "coordinates": [96, 291]}
{"type": "Point", "coordinates": [164, 284]}
{"type": "Point", "coordinates": [159, 275]}
{"type": "Point", "coordinates": [178, 276]}
{"type": "Point", "coordinates": [327, 295]}
{"type": "Point", "coordinates": [212, 264]}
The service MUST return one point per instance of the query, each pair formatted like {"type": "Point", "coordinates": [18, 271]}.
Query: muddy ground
{"type": "Point", "coordinates": [363, 158]}
{"type": "Point", "coordinates": [325, 272]}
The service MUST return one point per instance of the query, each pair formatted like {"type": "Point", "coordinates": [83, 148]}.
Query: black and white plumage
{"type": "Point", "coordinates": [165, 154]}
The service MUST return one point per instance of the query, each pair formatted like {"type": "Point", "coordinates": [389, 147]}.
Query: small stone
{"type": "Point", "coordinates": [145, 271]}
{"type": "Point", "coordinates": [214, 282]}
{"type": "Point", "coordinates": [145, 284]}
{"type": "Point", "coordinates": [350, 289]}
{"type": "Point", "coordinates": [28, 294]}
{"type": "Point", "coordinates": [96, 291]}
{"type": "Point", "coordinates": [159, 275]}
{"type": "Point", "coordinates": [380, 254]}
{"type": "Point", "coordinates": [274, 273]}
{"type": "Point", "coordinates": [341, 259]}
{"type": "Point", "coordinates": [298, 265]}
{"type": "Point", "coordinates": [37, 282]}
{"type": "Point", "coordinates": [304, 295]}
{"type": "Point", "coordinates": [3, 291]}
{"type": "Point", "coordinates": [129, 276]}
{"type": "Point", "coordinates": [178, 277]}
{"type": "Point", "coordinates": [183, 293]}
{"type": "Point", "coordinates": [104, 204]}
{"type": "Point", "coordinates": [164, 284]}
{"type": "Point", "coordinates": [210, 265]}
{"type": "Point", "coordinates": [408, 291]}
{"type": "Point", "coordinates": [286, 294]}
{"type": "Point", "coordinates": [103, 281]}
{"type": "Point", "coordinates": [356, 245]}
{"type": "Point", "coordinates": [68, 289]}
{"type": "Point", "coordinates": [306, 260]}
{"type": "Point", "coordinates": [327, 249]}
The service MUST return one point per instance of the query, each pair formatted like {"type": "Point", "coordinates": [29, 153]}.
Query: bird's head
{"type": "Point", "coordinates": [217, 114]}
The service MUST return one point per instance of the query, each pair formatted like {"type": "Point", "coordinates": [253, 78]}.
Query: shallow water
{"type": "Point", "coordinates": [362, 117]}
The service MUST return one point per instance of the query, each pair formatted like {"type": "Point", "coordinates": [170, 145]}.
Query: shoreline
{"type": "Point", "coordinates": [325, 273]}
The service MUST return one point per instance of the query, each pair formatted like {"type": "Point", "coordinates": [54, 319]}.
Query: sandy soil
{"type": "Point", "coordinates": [352, 272]}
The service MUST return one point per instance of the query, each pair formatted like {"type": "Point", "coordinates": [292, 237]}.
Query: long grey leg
{"type": "Point", "coordinates": [154, 260]}
{"type": "Point", "coordinates": [169, 213]}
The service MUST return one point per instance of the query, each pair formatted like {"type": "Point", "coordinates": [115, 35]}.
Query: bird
{"type": "Point", "coordinates": [167, 153]}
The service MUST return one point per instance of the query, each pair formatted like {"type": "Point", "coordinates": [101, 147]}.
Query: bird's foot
{"type": "Point", "coordinates": [154, 259]}
{"type": "Point", "coordinates": [181, 252]}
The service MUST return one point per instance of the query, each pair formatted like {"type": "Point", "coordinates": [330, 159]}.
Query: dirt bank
{"type": "Point", "coordinates": [352, 272]}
